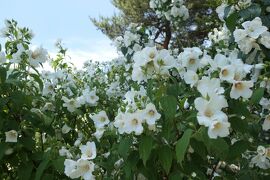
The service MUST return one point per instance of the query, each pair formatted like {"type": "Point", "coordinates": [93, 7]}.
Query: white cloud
{"type": "Point", "coordinates": [100, 50]}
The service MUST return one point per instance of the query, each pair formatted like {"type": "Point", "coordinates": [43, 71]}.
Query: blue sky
{"type": "Point", "coordinates": [64, 19]}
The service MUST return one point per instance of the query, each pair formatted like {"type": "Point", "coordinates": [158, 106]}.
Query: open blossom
{"type": "Point", "coordinates": [219, 129]}
{"type": "Point", "coordinates": [227, 73]}
{"type": "Point", "coordinates": [100, 119]}
{"type": "Point", "coordinates": [207, 86]}
{"type": "Point", "coordinates": [210, 111]}
{"type": "Point", "coordinates": [254, 28]}
{"type": "Point", "coordinates": [150, 114]}
{"type": "Point", "coordinates": [191, 77]}
{"type": "Point", "coordinates": [11, 136]}
{"type": "Point", "coordinates": [262, 158]}
{"type": "Point", "coordinates": [133, 123]}
{"type": "Point", "coordinates": [71, 104]}
{"type": "Point", "coordinates": [241, 89]}
{"type": "Point", "coordinates": [190, 58]}
{"type": "Point", "coordinates": [80, 168]}
{"type": "Point", "coordinates": [89, 150]}
{"type": "Point", "coordinates": [37, 56]}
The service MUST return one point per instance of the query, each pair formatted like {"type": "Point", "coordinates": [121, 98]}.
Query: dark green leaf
{"type": "Point", "coordinates": [145, 147]}
{"type": "Point", "coordinates": [237, 149]}
{"type": "Point", "coordinates": [166, 157]}
{"type": "Point", "coordinates": [124, 146]}
{"type": "Point", "coordinates": [182, 145]}
{"type": "Point", "coordinates": [257, 96]}
{"type": "Point", "coordinates": [41, 168]}
{"type": "Point", "coordinates": [169, 105]}
{"type": "Point", "coordinates": [25, 171]}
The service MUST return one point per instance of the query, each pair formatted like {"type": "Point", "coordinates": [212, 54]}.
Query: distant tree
{"type": "Point", "coordinates": [190, 32]}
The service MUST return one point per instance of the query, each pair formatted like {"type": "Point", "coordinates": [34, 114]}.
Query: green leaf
{"type": "Point", "coordinates": [145, 147]}
{"type": "Point", "coordinates": [231, 21]}
{"type": "Point", "coordinates": [219, 148]}
{"type": "Point", "coordinates": [58, 164]}
{"type": "Point", "coordinates": [169, 106]}
{"type": "Point", "coordinates": [38, 80]}
{"type": "Point", "coordinates": [25, 171]}
{"type": "Point", "coordinates": [124, 146]}
{"type": "Point", "coordinates": [251, 12]}
{"type": "Point", "coordinates": [3, 75]}
{"type": "Point", "coordinates": [257, 96]}
{"type": "Point", "coordinates": [177, 175]}
{"type": "Point", "coordinates": [237, 149]}
{"type": "Point", "coordinates": [166, 157]}
{"type": "Point", "coordinates": [41, 168]}
{"type": "Point", "coordinates": [239, 125]}
{"type": "Point", "coordinates": [182, 145]}
{"type": "Point", "coordinates": [3, 147]}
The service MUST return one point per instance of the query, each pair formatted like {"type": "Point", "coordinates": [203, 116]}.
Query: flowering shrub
{"type": "Point", "coordinates": [153, 113]}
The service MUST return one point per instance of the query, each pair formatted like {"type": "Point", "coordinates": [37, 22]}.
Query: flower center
{"type": "Point", "coordinates": [217, 125]}
{"type": "Point", "coordinates": [208, 113]}
{"type": "Point", "coordinates": [152, 55]}
{"type": "Point", "coordinates": [135, 122]}
{"type": "Point", "coordinates": [225, 72]}
{"type": "Point", "coordinates": [239, 86]}
{"type": "Point", "coordinates": [151, 112]}
{"type": "Point", "coordinates": [35, 55]}
{"type": "Point", "coordinates": [102, 119]}
{"type": "Point", "coordinates": [192, 61]}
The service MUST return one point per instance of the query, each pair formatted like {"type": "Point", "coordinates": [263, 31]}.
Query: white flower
{"type": "Point", "coordinates": [262, 158]}
{"type": "Point", "coordinates": [119, 122]}
{"type": "Point", "coordinates": [227, 73]}
{"type": "Point", "coordinates": [265, 39]}
{"type": "Point", "coordinates": [266, 123]}
{"type": "Point", "coordinates": [89, 97]}
{"type": "Point", "coordinates": [65, 129]}
{"type": "Point", "coordinates": [254, 28]}
{"type": "Point", "coordinates": [220, 11]}
{"type": "Point", "coordinates": [80, 168]}
{"type": "Point", "coordinates": [239, 34]}
{"type": "Point", "coordinates": [37, 56]}
{"type": "Point", "coordinates": [191, 77]}
{"type": "Point", "coordinates": [134, 123]}
{"type": "Point", "coordinates": [70, 104]}
{"type": "Point", "coordinates": [89, 150]}
{"type": "Point", "coordinates": [16, 57]}
{"type": "Point", "coordinates": [210, 111]}
{"type": "Point", "coordinates": [191, 58]}
{"type": "Point", "coordinates": [241, 88]}
{"type": "Point", "coordinates": [99, 133]}
{"type": "Point", "coordinates": [11, 136]}
{"type": "Point", "coordinates": [247, 44]}
{"type": "Point", "coordinates": [64, 152]}
{"type": "Point", "coordinates": [150, 114]}
{"type": "Point", "coordinates": [100, 119]}
{"type": "Point", "coordinates": [2, 58]}
{"type": "Point", "coordinates": [207, 86]}
{"type": "Point", "coordinates": [218, 129]}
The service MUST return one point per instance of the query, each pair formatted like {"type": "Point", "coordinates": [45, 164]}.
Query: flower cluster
{"type": "Point", "coordinates": [252, 34]}
{"type": "Point", "coordinates": [170, 9]}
